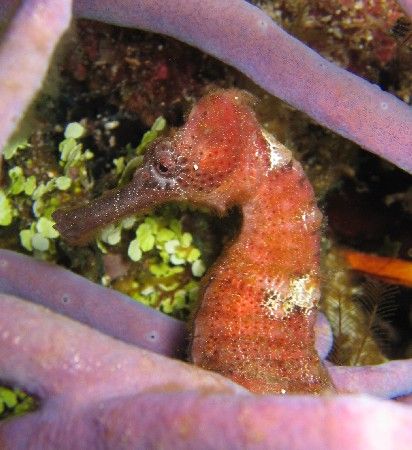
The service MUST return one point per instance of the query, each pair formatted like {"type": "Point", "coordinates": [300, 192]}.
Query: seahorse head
{"type": "Point", "coordinates": [214, 158]}
{"type": "Point", "coordinates": [217, 159]}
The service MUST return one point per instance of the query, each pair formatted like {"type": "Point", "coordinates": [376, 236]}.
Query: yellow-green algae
{"type": "Point", "coordinates": [14, 402]}
{"type": "Point", "coordinates": [164, 260]}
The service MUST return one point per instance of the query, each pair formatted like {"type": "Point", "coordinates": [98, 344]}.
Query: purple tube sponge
{"type": "Point", "coordinates": [103, 309]}
{"type": "Point", "coordinates": [190, 420]}
{"type": "Point", "coordinates": [407, 6]}
{"type": "Point", "coordinates": [98, 392]}
{"type": "Point", "coordinates": [387, 380]}
{"type": "Point", "coordinates": [25, 51]}
{"type": "Point", "coordinates": [47, 353]}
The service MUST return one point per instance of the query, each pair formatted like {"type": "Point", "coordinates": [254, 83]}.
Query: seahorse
{"type": "Point", "coordinates": [255, 322]}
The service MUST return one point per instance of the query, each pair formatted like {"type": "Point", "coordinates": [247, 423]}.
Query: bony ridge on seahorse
{"type": "Point", "coordinates": [255, 322]}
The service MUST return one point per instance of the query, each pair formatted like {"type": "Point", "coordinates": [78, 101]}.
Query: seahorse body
{"type": "Point", "coordinates": [258, 301]}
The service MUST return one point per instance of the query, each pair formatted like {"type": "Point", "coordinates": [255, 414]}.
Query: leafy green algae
{"type": "Point", "coordinates": [163, 260]}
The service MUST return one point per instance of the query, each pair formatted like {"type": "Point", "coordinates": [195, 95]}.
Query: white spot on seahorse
{"type": "Point", "coordinates": [279, 155]}
{"type": "Point", "coordinates": [283, 296]}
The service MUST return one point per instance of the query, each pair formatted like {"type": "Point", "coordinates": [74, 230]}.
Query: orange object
{"type": "Point", "coordinates": [255, 322]}
{"type": "Point", "coordinates": [393, 270]}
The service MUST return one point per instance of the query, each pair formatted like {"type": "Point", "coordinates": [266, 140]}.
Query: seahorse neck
{"type": "Point", "coordinates": [281, 221]}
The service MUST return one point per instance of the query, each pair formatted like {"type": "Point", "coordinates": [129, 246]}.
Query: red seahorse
{"type": "Point", "coordinates": [258, 301]}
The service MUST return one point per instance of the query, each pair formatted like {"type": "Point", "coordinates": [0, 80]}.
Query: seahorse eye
{"type": "Point", "coordinates": [165, 164]}
{"type": "Point", "coordinates": [164, 161]}
{"type": "Point", "coordinates": [162, 168]}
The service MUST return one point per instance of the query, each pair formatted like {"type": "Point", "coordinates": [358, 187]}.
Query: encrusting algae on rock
{"type": "Point", "coordinates": [258, 301]}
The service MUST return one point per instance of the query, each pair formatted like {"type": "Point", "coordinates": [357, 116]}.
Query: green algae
{"type": "Point", "coordinates": [163, 260]}
{"type": "Point", "coordinates": [14, 402]}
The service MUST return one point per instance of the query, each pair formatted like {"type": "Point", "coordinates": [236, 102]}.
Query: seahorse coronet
{"type": "Point", "coordinates": [279, 155]}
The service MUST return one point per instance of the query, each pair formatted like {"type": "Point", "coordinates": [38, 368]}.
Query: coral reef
{"type": "Point", "coordinates": [329, 161]}
{"type": "Point", "coordinates": [356, 35]}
